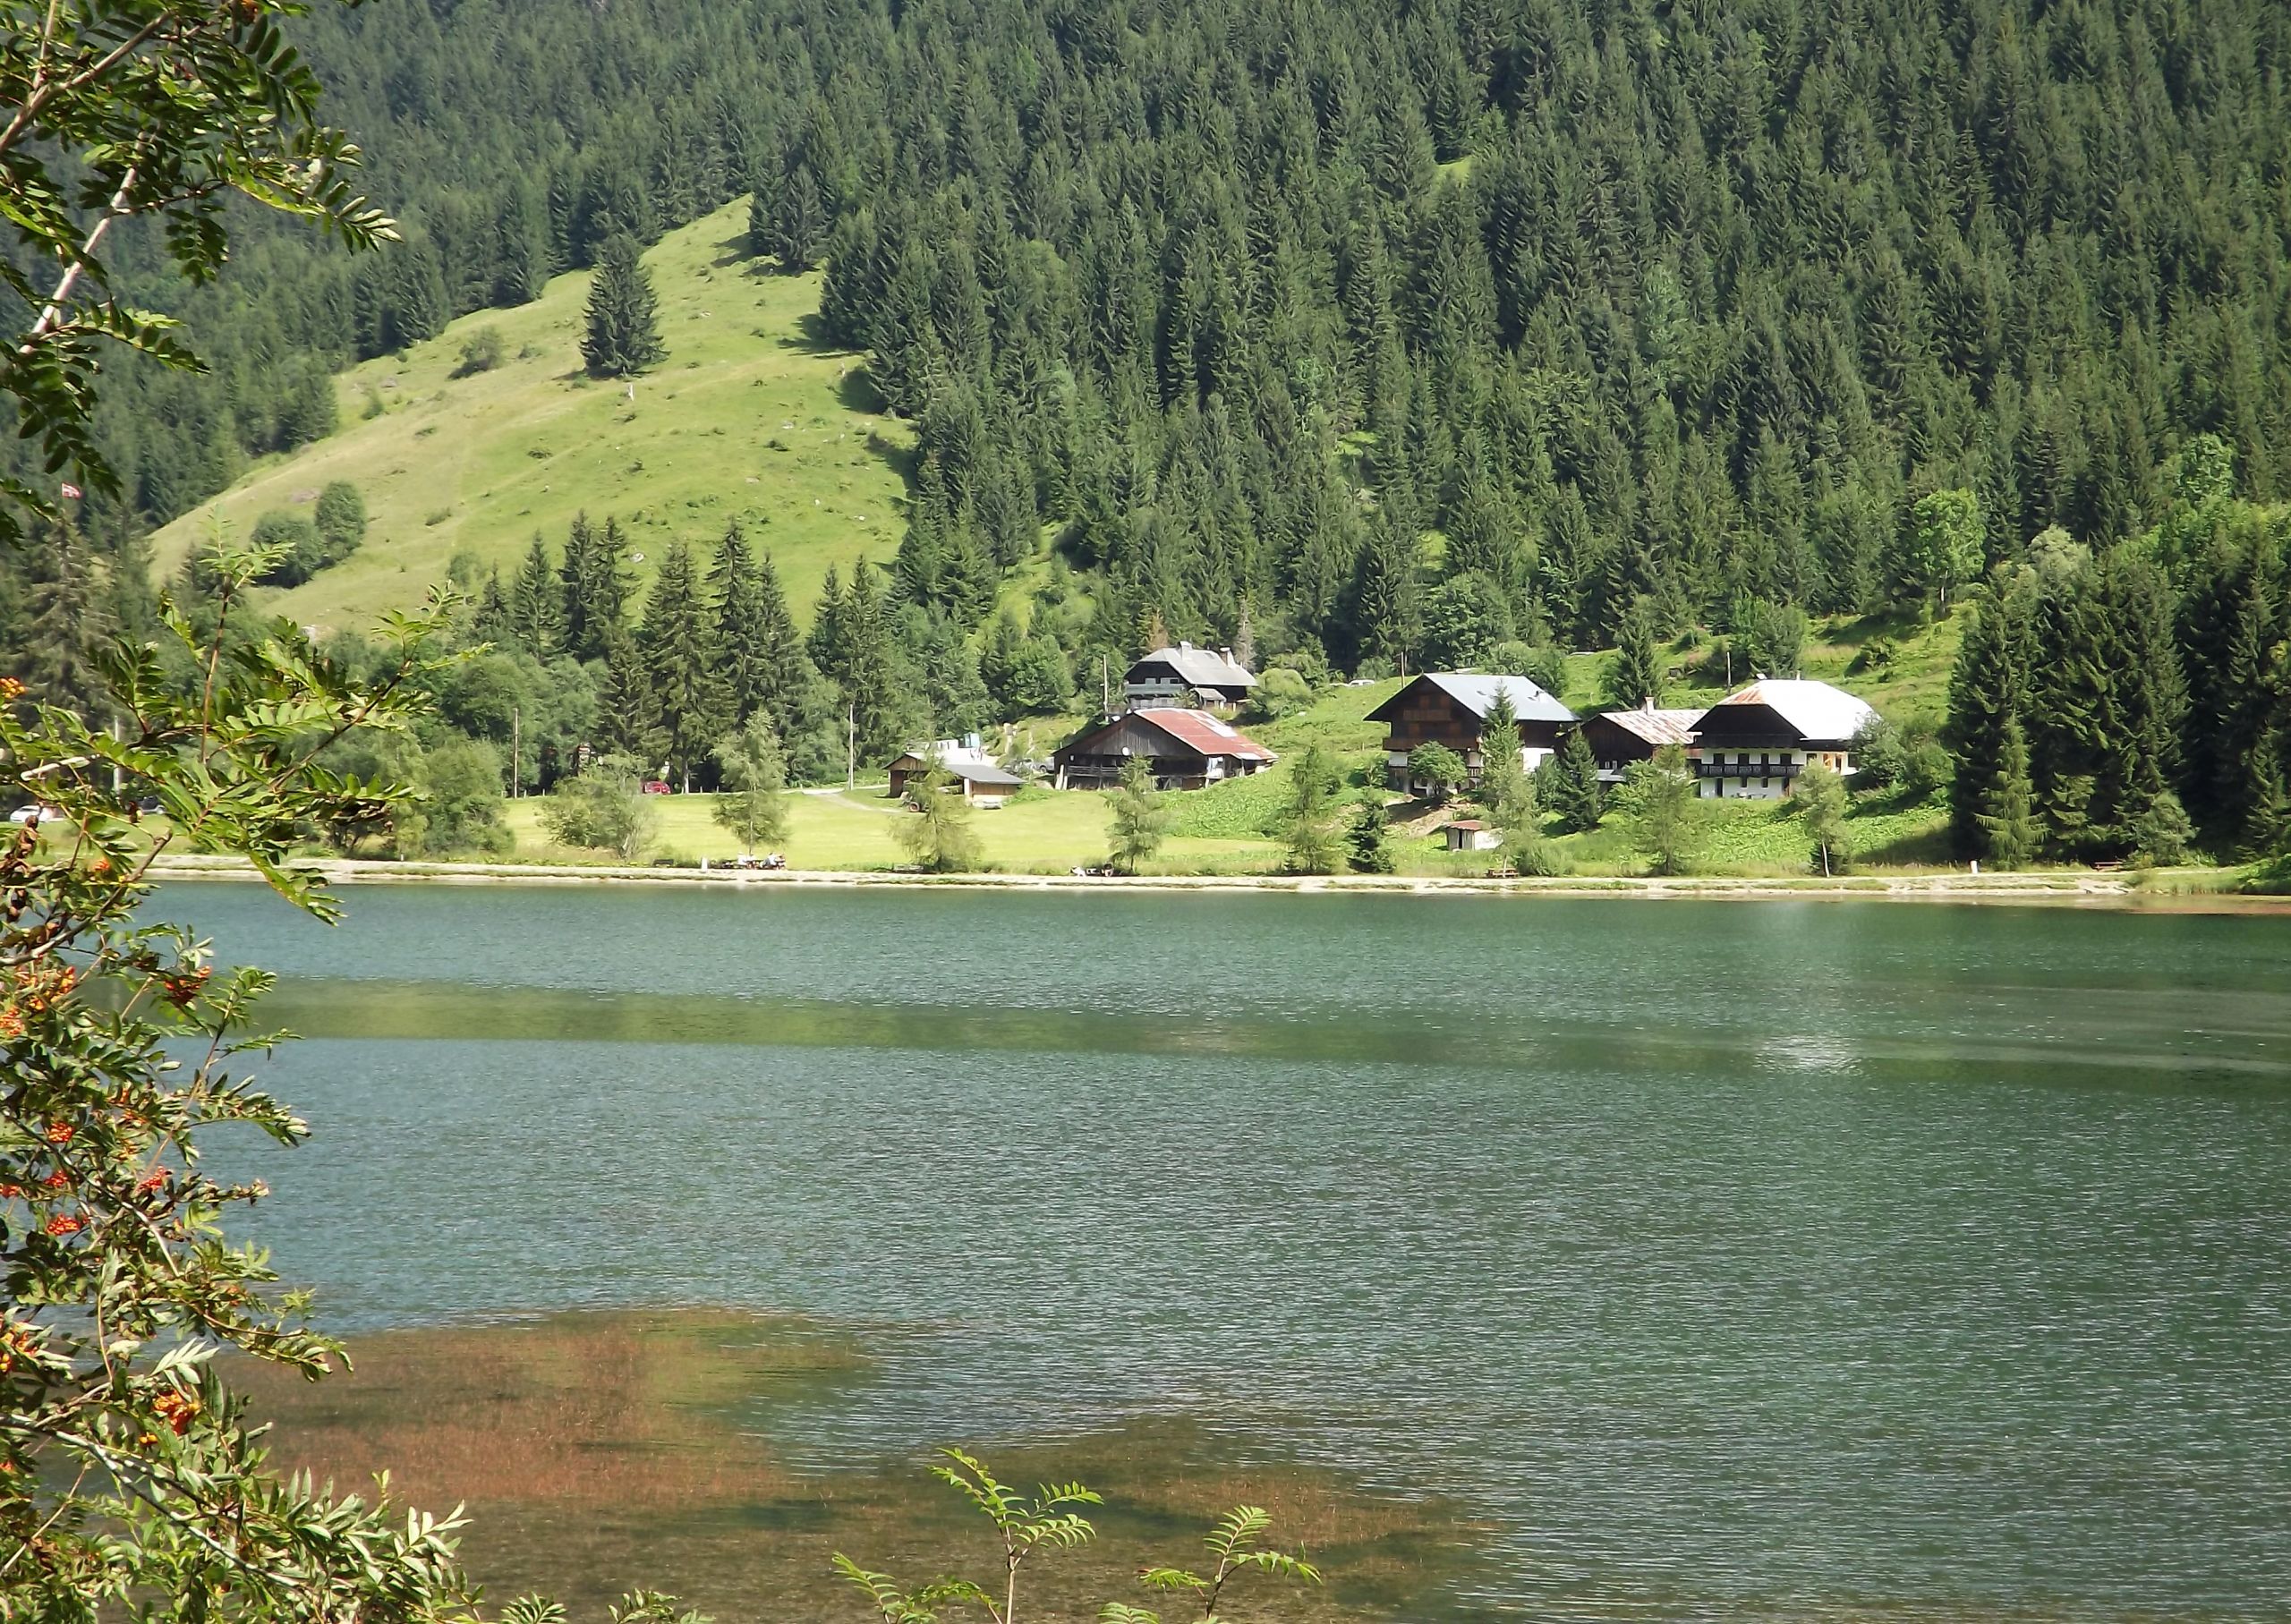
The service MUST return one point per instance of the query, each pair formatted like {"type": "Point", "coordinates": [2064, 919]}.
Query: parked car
{"type": "Point", "coordinates": [657, 786]}
{"type": "Point", "coordinates": [36, 814]}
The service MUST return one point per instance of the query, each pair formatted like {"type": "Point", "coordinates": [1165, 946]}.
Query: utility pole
{"type": "Point", "coordinates": [516, 751]}
{"type": "Point", "coordinates": [1105, 684]}
{"type": "Point", "coordinates": [850, 744]}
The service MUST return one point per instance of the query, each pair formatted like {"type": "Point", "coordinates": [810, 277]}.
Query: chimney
{"type": "Point", "coordinates": [1227, 654]}
{"type": "Point", "coordinates": [1648, 705]}
{"type": "Point", "coordinates": [1184, 646]}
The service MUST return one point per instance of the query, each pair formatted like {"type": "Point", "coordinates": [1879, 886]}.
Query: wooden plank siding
{"type": "Point", "coordinates": [1426, 713]}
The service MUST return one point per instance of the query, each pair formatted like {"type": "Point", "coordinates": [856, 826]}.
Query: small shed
{"type": "Point", "coordinates": [1470, 835]}
{"type": "Point", "coordinates": [982, 782]}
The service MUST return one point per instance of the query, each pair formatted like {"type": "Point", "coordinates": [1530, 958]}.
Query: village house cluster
{"type": "Point", "coordinates": [1750, 746]}
{"type": "Point", "coordinates": [1175, 706]}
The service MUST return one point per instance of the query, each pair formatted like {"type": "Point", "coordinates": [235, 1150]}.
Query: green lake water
{"type": "Point", "coordinates": [1698, 1260]}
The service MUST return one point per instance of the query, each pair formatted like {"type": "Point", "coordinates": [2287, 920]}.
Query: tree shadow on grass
{"type": "Point", "coordinates": [734, 249]}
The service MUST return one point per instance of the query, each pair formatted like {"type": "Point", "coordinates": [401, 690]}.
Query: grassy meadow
{"type": "Point", "coordinates": [748, 418]}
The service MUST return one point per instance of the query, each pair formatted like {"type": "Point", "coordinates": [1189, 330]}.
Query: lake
{"type": "Point", "coordinates": [1553, 1258]}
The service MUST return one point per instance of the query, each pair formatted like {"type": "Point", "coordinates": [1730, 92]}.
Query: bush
{"type": "Point", "coordinates": [1928, 769]}
{"type": "Point", "coordinates": [299, 554]}
{"type": "Point", "coordinates": [341, 519]}
{"type": "Point", "coordinates": [460, 781]}
{"type": "Point", "coordinates": [605, 809]}
{"type": "Point", "coordinates": [481, 352]}
{"type": "Point", "coordinates": [1279, 693]}
{"type": "Point", "coordinates": [1880, 755]}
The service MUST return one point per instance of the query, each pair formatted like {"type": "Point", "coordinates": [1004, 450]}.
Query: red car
{"type": "Point", "coordinates": [657, 786]}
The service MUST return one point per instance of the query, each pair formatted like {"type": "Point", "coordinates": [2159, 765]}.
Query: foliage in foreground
{"type": "Point", "coordinates": [1047, 1520]}
{"type": "Point", "coordinates": [129, 1472]}
{"type": "Point", "coordinates": [119, 112]}
{"type": "Point", "coordinates": [132, 1480]}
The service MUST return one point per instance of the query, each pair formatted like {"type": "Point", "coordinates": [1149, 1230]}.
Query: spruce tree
{"type": "Point", "coordinates": [739, 629]}
{"type": "Point", "coordinates": [1987, 695]}
{"type": "Point", "coordinates": [2010, 831]}
{"type": "Point", "coordinates": [628, 721]}
{"type": "Point", "coordinates": [1667, 832]}
{"type": "Point", "coordinates": [537, 604]}
{"type": "Point", "coordinates": [1502, 780]}
{"type": "Point", "coordinates": [789, 680]}
{"type": "Point", "coordinates": [1308, 836]}
{"type": "Point", "coordinates": [1634, 672]}
{"type": "Point", "coordinates": [622, 333]}
{"type": "Point", "coordinates": [1571, 788]}
{"type": "Point", "coordinates": [1367, 839]}
{"type": "Point", "coordinates": [2266, 829]}
{"type": "Point", "coordinates": [681, 658]}
{"type": "Point", "coordinates": [64, 623]}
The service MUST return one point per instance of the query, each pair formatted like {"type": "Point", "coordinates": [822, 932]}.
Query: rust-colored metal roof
{"type": "Point", "coordinates": [1656, 727]}
{"type": "Point", "coordinates": [1203, 733]}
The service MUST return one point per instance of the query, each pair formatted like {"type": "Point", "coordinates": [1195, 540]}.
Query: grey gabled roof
{"type": "Point", "coordinates": [1475, 693]}
{"type": "Point", "coordinates": [971, 766]}
{"type": "Point", "coordinates": [1201, 668]}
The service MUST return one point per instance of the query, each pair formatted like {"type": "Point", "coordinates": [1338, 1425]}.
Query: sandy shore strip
{"type": "Point", "coordinates": [2084, 889]}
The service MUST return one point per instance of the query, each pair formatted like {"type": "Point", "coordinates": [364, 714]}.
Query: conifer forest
{"type": "Point", "coordinates": [1381, 336]}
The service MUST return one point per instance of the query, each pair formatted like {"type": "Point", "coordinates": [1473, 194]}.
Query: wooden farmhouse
{"type": "Point", "coordinates": [1183, 749]}
{"type": "Point", "coordinates": [982, 782]}
{"type": "Point", "coordinates": [1450, 708]}
{"type": "Point", "coordinates": [1184, 675]}
{"type": "Point", "coordinates": [1753, 744]}
{"type": "Point", "coordinates": [1618, 738]}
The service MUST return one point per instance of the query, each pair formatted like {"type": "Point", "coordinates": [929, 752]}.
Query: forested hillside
{"type": "Point", "coordinates": [1392, 333]}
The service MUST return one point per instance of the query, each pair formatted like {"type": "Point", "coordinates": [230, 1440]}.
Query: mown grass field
{"type": "Point", "coordinates": [1045, 832]}
{"type": "Point", "coordinates": [748, 418]}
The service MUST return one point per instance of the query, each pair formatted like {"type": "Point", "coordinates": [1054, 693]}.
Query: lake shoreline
{"type": "Point", "coordinates": [2068, 889]}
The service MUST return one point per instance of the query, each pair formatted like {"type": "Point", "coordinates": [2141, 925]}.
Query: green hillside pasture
{"type": "Point", "coordinates": [747, 419]}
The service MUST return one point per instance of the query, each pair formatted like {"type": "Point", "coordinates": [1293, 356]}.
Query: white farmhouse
{"type": "Point", "coordinates": [1754, 743]}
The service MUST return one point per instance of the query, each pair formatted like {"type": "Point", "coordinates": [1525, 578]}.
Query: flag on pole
{"type": "Point", "coordinates": [71, 492]}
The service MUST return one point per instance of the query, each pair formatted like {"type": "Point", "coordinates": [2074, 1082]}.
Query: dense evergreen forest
{"type": "Point", "coordinates": [1389, 334]}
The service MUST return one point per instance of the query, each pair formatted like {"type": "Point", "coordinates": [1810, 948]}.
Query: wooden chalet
{"type": "Point", "coordinates": [1182, 676]}
{"type": "Point", "coordinates": [1183, 749]}
{"type": "Point", "coordinates": [981, 780]}
{"type": "Point", "coordinates": [1617, 738]}
{"type": "Point", "coordinates": [1753, 744]}
{"type": "Point", "coordinates": [1450, 708]}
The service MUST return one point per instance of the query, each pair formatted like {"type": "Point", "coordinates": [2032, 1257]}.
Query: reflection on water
{"type": "Point", "coordinates": [600, 1451]}
{"type": "Point", "coordinates": [1718, 1260]}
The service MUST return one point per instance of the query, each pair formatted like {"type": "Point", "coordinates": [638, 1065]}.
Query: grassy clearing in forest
{"type": "Point", "coordinates": [748, 418]}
